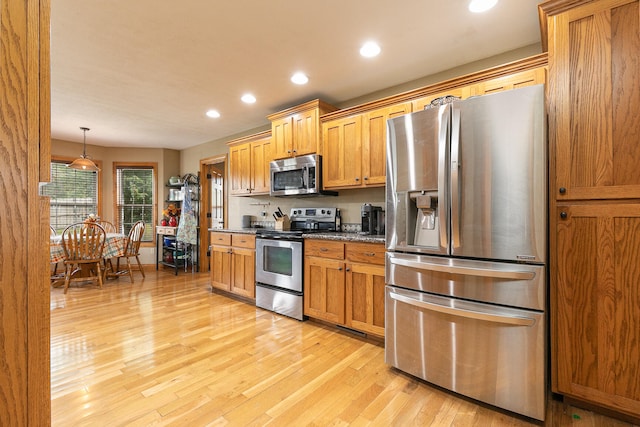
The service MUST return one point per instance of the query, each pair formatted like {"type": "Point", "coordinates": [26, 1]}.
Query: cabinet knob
{"type": "Point", "coordinates": [563, 215]}
{"type": "Point", "coordinates": [562, 190]}
{"type": "Point", "coordinates": [339, 268]}
{"type": "Point", "coordinates": [288, 151]}
{"type": "Point", "coordinates": [366, 178]}
{"type": "Point", "coordinates": [357, 179]}
{"type": "Point", "coordinates": [348, 269]}
{"type": "Point", "coordinates": [295, 151]}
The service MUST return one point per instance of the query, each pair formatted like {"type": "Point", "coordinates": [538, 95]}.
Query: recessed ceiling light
{"type": "Point", "coordinates": [247, 98]}
{"type": "Point", "coordinates": [370, 49]}
{"type": "Point", "coordinates": [299, 78]}
{"type": "Point", "coordinates": [478, 6]}
{"type": "Point", "coordinates": [214, 114]}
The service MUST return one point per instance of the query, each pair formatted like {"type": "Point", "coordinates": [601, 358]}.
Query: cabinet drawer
{"type": "Point", "coordinates": [243, 241]}
{"type": "Point", "coordinates": [167, 231]}
{"type": "Point", "coordinates": [221, 238]}
{"type": "Point", "coordinates": [324, 249]}
{"type": "Point", "coordinates": [369, 253]}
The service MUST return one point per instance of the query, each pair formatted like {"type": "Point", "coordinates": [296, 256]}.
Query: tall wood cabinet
{"type": "Point", "coordinates": [594, 134]}
{"type": "Point", "coordinates": [25, 143]}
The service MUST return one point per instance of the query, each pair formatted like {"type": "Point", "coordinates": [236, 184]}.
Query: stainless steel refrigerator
{"type": "Point", "coordinates": [466, 221]}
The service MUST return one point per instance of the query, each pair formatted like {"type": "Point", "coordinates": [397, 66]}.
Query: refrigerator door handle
{"type": "Point", "coordinates": [442, 174]}
{"type": "Point", "coordinates": [452, 269]}
{"type": "Point", "coordinates": [455, 177]}
{"type": "Point", "coordinates": [470, 314]}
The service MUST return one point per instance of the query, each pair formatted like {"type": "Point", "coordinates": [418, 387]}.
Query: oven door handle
{"type": "Point", "coordinates": [459, 312]}
{"type": "Point", "coordinates": [452, 269]}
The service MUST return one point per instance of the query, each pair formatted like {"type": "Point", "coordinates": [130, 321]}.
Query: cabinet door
{"type": "Point", "coordinates": [260, 158]}
{"type": "Point", "coordinates": [374, 143]}
{"type": "Point", "coordinates": [305, 132]}
{"type": "Point", "coordinates": [460, 92]}
{"type": "Point", "coordinates": [243, 272]}
{"type": "Point", "coordinates": [324, 289]}
{"type": "Point", "coordinates": [221, 267]}
{"type": "Point", "coordinates": [282, 138]}
{"type": "Point", "coordinates": [365, 298]}
{"type": "Point", "coordinates": [513, 81]}
{"type": "Point", "coordinates": [596, 309]}
{"type": "Point", "coordinates": [593, 116]}
{"type": "Point", "coordinates": [342, 151]}
{"type": "Point", "coordinates": [240, 169]}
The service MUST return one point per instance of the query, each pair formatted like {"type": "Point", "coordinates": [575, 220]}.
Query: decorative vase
{"type": "Point", "coordinates": [173, 222]}
{"type": "Point", "coordinates": [164, 223]}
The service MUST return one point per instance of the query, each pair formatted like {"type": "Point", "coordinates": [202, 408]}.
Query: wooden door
{"type": "Point", "coordinates": [596, 304]}
{"type": "Point", "coordinates": [243, 270]}
{"type": "Point", "coordinates": [342, 152]}
{"type": "Point", "coordinates": [260, 158]}
{"type": "Point", "coordinates": [513, 81]}
{"type": "Point", "coordinates": [240, 169]}
{"type": "Point", "coordinates": [593, 116]}
{"type": "Point", "coordinates": [459, 92]}
{"type": "Point", "coordinates": [282, 138]}
{"type": "Point", "coordinates": [305, 132]}
{"type": "Point", "coordinates": [221, 267]}
{"type": "Point", "coordinates": [374, 143]}
{"type": "Point", "coordinates": [25, 162]}
{"type": "Point", "coordinates": [365, 298]}
{"type": "Point", "coordinates": [324, 289]}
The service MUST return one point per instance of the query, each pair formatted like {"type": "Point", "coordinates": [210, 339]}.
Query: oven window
{"type": "Point", "coordinates": [288, 180]}
{"type": "Point", "coordinates": [278, 260]}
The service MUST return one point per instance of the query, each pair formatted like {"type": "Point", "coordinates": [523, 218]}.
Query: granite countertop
{"type": "Point", "coordinates": [346, 237]}
{"type": "Point", "coordinates": [330, 235]}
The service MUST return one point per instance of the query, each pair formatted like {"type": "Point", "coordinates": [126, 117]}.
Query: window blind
{"type": "Point", "coordinates": [73, 195]}
{"type": "Point", "coordinates": [135, 198]}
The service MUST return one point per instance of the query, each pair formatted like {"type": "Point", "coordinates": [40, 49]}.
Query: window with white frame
{"type": "Point", "coordinates": [135, 197]}
{"type": "Point", "coordinates": [73, 195]}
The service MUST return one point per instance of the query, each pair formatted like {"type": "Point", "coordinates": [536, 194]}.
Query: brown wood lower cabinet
{"type": "Point", "coordinates": [596, 304]}
{"type": "Point", "coordinates": [344, 284]}
{"type": "Point", "coordinates": [233, 258]}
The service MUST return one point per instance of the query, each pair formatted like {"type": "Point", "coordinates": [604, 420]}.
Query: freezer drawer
{"type": "Point", "coordinates": [515, 285]}
{"type": "Point", "coordinates": [489, 353]}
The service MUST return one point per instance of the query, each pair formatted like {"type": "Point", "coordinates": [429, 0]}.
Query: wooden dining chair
{"type": "Point", "coordinates": [83, 244]}
{"type": "Point", "coordinates": [131, 250]}
{"type": "Point", "coordinates": [108, 226]}
{"type": "Point", "coordinates": [55, 276]}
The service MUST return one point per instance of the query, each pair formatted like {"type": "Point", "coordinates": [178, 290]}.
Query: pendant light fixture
{"type": "Point", "coordinates": [84, 163]}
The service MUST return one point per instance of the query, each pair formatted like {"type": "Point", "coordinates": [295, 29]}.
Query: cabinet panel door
{"type": "Point", "coordinates": [243, 270]}
{"type": "Point", "coordinates": [374, 144]}
{"type": "Point", "coordinates": [240, 169]}
{"type": "Point", "coordinates": [324, 289]}
{"type": "Point", "coordinates": [460, 92]}
{"type": "Point", "coordinates": [342, 152]}
{"type": "Point", "coordinates": [221, 267]}
{"type": "Point", "coordinates": [365, 298]}
{"type": "Point", "coordinates": [593, 118]}
{"type": "Point", "coordinates": [596, 309]}
{"type": "Point", "coordinates": [260, 158]}
{"type": "Point", "coordinates": [513, 81]}
{"type": "Point", "coordinates": [305, 132]}
{"type": "Point", "coordinates": [282, 138]}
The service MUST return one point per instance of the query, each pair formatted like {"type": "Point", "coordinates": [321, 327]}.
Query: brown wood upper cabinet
{"type": "Point", "coordinates": [354, 148]}
{"type": "Point", "coordinates": [593, 76]}
{"type": "Point", "coordinates": [249, 165]}
{"type": "Point", "coordinates": [296, 131]}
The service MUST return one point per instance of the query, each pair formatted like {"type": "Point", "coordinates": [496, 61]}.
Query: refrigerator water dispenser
{"type": "Point", "coordinates": [427, 227]}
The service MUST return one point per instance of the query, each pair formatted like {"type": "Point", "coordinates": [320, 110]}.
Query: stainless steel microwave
{"type": "Point", "coordinates": [297, 176]}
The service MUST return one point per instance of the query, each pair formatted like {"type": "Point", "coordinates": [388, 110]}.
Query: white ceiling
{"type": "Point", "coordinates": [142, 73]}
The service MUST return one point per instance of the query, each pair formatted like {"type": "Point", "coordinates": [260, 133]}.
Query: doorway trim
{"type": "Point", "coordinates": [205, 200]}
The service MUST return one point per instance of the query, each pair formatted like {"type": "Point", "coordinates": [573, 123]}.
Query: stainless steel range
{"type": "Point", "coordinates": [279, 260]}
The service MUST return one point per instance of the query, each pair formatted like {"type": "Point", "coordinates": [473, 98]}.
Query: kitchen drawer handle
{"type": "Point", "coordinates": [485, 272]}
{"type": "Point", "coordinates": [369, 254]}
{"type": "Point", "coordinates": [324, 250]}
{"type": "Point", "coordinates": [471, 314]}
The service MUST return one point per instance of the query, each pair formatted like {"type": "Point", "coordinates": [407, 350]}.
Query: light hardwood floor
{"type": "Point", "coordinates": [167, 351]}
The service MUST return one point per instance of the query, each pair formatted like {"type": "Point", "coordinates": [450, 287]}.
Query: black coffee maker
{"type": "Point", "coordinates": [372, 219]}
